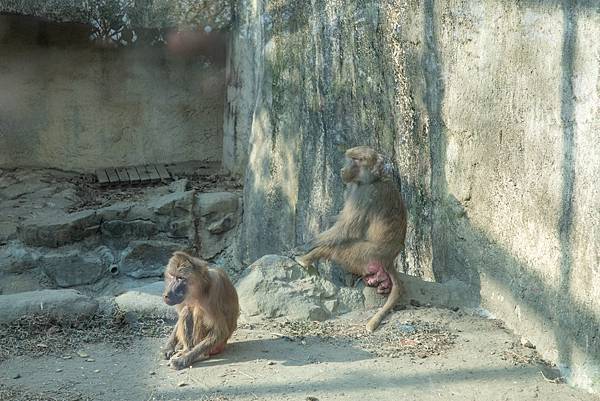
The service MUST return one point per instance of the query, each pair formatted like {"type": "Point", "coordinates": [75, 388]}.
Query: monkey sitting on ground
{"type": "Point", "coordinates": [370, 230]}
{"type": "Point", "coordinates": [208, 309]}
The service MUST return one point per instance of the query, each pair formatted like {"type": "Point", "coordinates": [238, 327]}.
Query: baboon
{"type": "Point", "coordinates": [208, 309]}
{"type": "Point", "coordinates": [369, 232]}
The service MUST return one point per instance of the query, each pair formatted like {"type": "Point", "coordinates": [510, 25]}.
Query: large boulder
{"type": "Point", "coordinates": [16, 258]}
{"type": "Point", "coordinates": [451, 294]}
{"type": "Point", "coordinates": [146, 301]}
{"type": "Point", "coordinates": [219, 214]}
{"type": "Point", "coordinates": [69, 268]}
{"type": "Point", "coordinates": [60, 229]}
{"type": "Point", "coordinates": [276, 286]}
{"type": "Point", "coordinates": [60, 304]}
{"type": "Point", "coordinates": [147, 258]}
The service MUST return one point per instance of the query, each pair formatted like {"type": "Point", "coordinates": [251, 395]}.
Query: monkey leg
{"type": "Point", "coordinates": [319, 252]}
{"type": "Point", "coordinates": [376, 276]}
{"type": "Point", "coordinates": [393, 298]}
{"type": "Point", "coordinates": [210, 345]}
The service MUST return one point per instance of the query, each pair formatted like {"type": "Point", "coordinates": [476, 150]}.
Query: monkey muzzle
{"type": "Point", "coordinates": [175, 292]}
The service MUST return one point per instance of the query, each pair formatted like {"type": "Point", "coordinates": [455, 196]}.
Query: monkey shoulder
{"type": "Point", "coordinates": [387, 190]}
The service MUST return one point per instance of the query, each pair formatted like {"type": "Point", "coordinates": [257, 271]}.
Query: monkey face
{"type": "Point", "coordinates": [175, 289]}
{"type": "Point", "coordinates": [350, 170]}
{"type": "Point", "coordinates": [363, 165]}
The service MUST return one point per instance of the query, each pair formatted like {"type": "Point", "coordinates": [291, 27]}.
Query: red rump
{"type": "Point", "coordinates": [377, 277]}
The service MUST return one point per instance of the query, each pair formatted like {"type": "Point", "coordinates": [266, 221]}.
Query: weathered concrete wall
{"type": "Point", "coordinates": [136, 14]}
{"type": "Point", "coordinates": [490, 111]}
{"type": "Point", "coordinates": [318, 80]}
{"type": "Point", "coordinates": [519, 113]}
{"type": "Point", "coordinates": [68, 104]}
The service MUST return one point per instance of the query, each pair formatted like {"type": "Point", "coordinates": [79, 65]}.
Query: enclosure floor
{"type": "Point", "coordinates": [260, 365]}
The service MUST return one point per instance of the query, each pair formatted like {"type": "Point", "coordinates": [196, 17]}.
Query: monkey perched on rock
{"type": "Point", "coordinates": [208, 309]}
{"type": "Point", "coordinates": [370, 230]}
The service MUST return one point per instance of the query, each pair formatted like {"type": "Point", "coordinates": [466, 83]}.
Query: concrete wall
{"type": "Point", "coordinates": [68, 104]}
{"type": "Point", "coordinates": [490, 111]}
{"type": "Point", "coordinates": [517, 163]}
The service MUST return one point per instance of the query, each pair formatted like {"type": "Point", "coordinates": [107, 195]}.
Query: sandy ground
{"type": "Point", "coordinates": [458, 356]}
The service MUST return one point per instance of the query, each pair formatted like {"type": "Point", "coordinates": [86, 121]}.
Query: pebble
{"type": "Point", "coordinates": [90, 360]}
{"type": "Point", "coordinates": [97, 371]}
{"type": "Point", "coordinates": [66, 357]}
{"type": "Point", "coordinates": [181, 384]}
{"type": "Point", "coordinates": [270, 363]}
{"type": "Point", "coordinates": [407, 328]}
{"type": "Point", "coordinates": [58, 370]}
{"type": "Point", "coordinates": [526, 343]}
{"type": "Point", "coordinates": [82, 354]}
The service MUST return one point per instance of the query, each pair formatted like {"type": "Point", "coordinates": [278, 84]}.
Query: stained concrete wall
{"type": "Point", "coordinates": [69, 104]}
{"type": "Point", "coordinates": [519, 113]}
{"type": "Point", "coordinates": [490, 111]}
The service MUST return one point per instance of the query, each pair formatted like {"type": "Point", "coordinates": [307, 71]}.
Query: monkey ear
{"type": "Point", "coordinates": [379, 168]}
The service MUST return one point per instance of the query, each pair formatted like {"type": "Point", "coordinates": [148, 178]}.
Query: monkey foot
{"type": "Point", "coordinates": [377, 277]}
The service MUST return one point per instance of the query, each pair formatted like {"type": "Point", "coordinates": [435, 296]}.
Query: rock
{"type": "Point", "coordinates": [350, 299]}
{"type": "Point", "coordinates": [277, 286]}
{"type": "Point", "coordinates": [8, 231]}
{"type": "Point", "coordinates": [60, 304]}
{"type": "Point", "coordinates": [450, 294]}
{"type": "Point", "coordinates": [182, 228]}
{"type": "Point", "coordinates": [73, 267]}
{"type": "Point", "coordinates": [147, 258]}
{"type": "Point", "coordinates": [146, 301]}
{"type": "Point", "coordinates": [179, 185]}
{"type": "Point", "coordinates": [174, 204]}
{"type": "Point", "coordinates": [373, 300]}
{"type": "Point", "coordinates": [219, 213]}
{"type": "Point", "coordinates": [58, 230]}
{"type": "Point", "coordinates": [117, 211]}
{"type": "Point", "coordinates": [526, 343]}
{"type": "Point", "coordinates": [406, 328]}
{"type": "Point", "coordinates": [129, 229]}
{"type": "Point", "coordinates": [151, 289]}
{"type": "Point", "coordinates": [16, 258]}
{"type": "Point", "coordinates": [30, 280]}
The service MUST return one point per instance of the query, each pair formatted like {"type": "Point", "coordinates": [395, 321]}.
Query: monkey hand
{"type": "Point", "coordinates": [169, 352]}
{"type": "Point", "coordinates": [179, 362]}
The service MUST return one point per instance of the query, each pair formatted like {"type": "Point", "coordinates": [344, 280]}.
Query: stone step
{"type": "Point", "coordinates": [59, 304]}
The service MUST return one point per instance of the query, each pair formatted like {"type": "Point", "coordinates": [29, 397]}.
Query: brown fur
{"type": "Point", "coordinates": [370, 227]}
{"type": "Point", "coordinates": [208, 314]}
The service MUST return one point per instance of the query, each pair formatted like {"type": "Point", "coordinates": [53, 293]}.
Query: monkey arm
{"type": "Point", "coordinates": [171, 343]}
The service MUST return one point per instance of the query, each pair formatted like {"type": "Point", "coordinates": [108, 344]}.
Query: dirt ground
{"type": "Point", "coordinates": [419, 354]}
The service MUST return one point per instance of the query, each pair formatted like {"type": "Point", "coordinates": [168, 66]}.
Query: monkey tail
{"type": "Point", "coordinates": [393, 298]}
